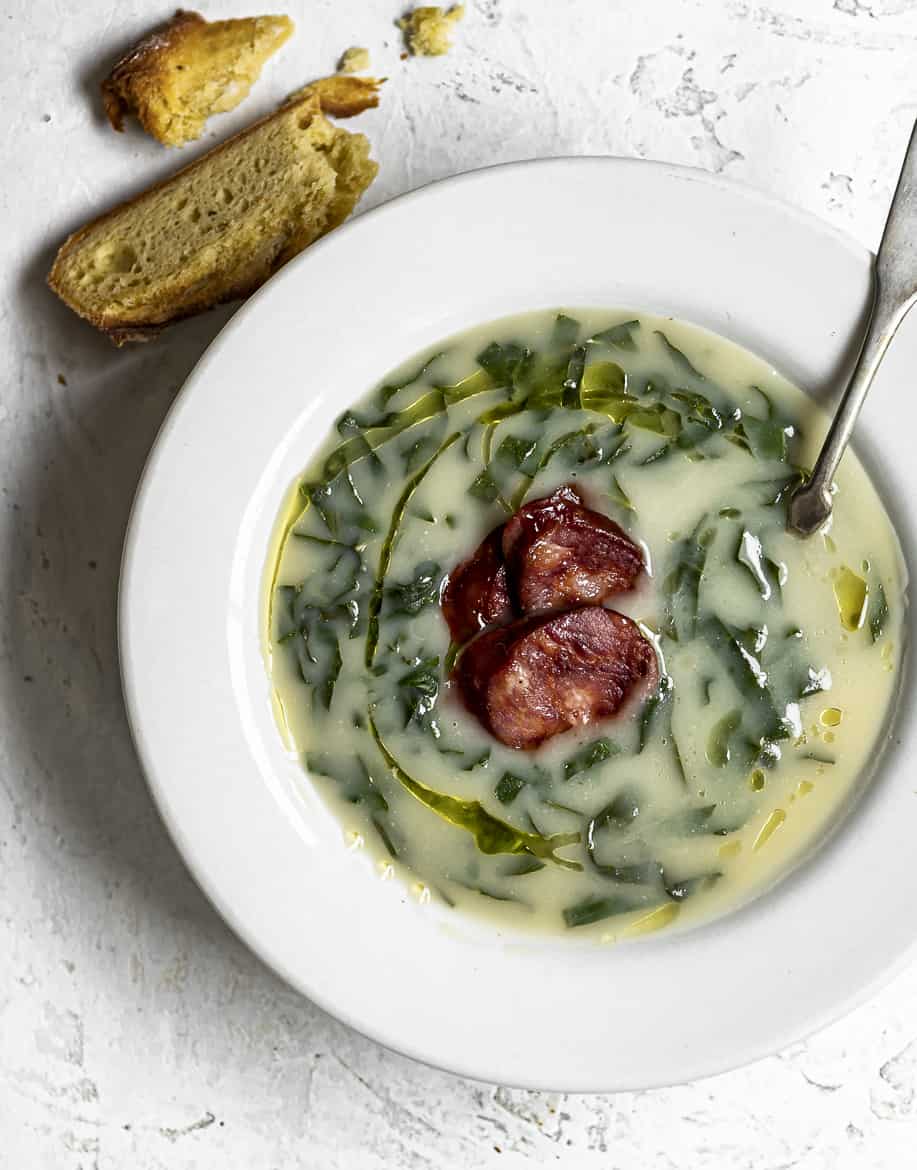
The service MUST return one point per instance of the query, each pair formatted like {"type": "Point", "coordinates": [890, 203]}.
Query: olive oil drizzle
{"type": "Point", "coordinates": [491, 835]}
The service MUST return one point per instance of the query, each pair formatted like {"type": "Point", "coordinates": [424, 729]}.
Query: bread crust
{"type": "Point", "coordinates": [343, 95]}
{"type": "Point", "coordinates": [233, 284]}
{"type": "Point", "coordinates": [142, 67]}
{"type": "Point", "coordinates": [139, 81]}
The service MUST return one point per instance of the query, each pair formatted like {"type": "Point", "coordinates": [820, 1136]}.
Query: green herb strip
{"type": "Point", "coordinates": [682, 585]}
{"type": "Point", "coordinates": [593, 909]}
{"type": "Point", "coordinates": [385, 554]}
{"type": "Point", "coordinates": [657, 711]}
{"type": "Point", "coordinates": [484, 487]}
{"type": "Point", "coordinates": [687, 887]}
{"type": "Point", "coordinates": [574, 378]}
{"type": "Point", "coordinates": [518, 453]}
{"type": "Point", "coordinates": [618, 336]}
{"type": "Point", "coordinates": [529, 476]}
{"type": "Point", "coordinates": [618, 816]}
{"type": "Point", "coordinates": [522, 867]}
{"type": "Point", "coordinates": [749, 678]}
{"type": "Point", "coordinates": [679, 360]}
{"type": "Point", "coordinates": [502, 361]}
{"type": "Point", "coordinates": [766, 438]}
{"type": "Point", "coordinates": [565, 332]}
{"type": "Point", "coordinates": [623, 408]}
{"type": "Point", "coordinates": [357, 787]}
{"type": "Point", "coordinates": [390, 389]}
{"type": "Point", "coordinates": [877, 615]}
{"type": "Point", "coordinates": [418, 691]}
{"type": "Point", "coordinates": [409, 598]}
{"type": "Point", "coordinates": [452, 655]}
{"type": "Point", "coordinates": [719, 749]}
{"type": "Point", "coordinates": [620, 496]}
{"type": "Point", "coordinates": [508, 788]}
{"type": "Point", "coordinates": [589, 756]}
{"type": "Point", "coordinates": [429, 405]}
{"type": "Point", "coordinates": [325, 690]}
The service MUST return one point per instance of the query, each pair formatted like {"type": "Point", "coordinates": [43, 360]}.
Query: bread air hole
{"type": "Point", "coordinates": [113, 258]}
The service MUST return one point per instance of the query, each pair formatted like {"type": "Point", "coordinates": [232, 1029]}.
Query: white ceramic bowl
{"type": "Point", "coordinates": [547, 1013]}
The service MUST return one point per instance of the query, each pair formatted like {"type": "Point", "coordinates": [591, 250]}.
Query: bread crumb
{"type": "Point", "coordinates": [428, 30]}
{"type": "Point", "coordinates": [343, 96]}
{"type": "Point", "coordinates": [353, 60]}
{"type": "Point", "coordinates": [175, 78]}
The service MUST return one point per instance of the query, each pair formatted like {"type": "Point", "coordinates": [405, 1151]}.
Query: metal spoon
{"type": "Point", "coordinates": [895, 290]}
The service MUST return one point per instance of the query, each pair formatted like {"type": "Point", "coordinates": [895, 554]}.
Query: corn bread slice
{"type": "Point", "coordinates": [175, 78]}
{"type": "Point", "coordinates": [217, 229]}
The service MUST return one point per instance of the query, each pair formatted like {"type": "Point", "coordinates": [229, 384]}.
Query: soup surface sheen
{"type": "Point", "coordinates": [778, 657]}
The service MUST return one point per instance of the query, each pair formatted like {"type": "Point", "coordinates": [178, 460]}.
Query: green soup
{"type": "Point", "coordinates": [778, 657]}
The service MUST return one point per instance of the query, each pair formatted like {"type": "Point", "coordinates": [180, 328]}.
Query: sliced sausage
{"type": "Point", "coordinates": [477, 593]}
{"type": "Point", "coordinates": [559, 553]}
{"type": "Point", "coordinates": [543, 675]}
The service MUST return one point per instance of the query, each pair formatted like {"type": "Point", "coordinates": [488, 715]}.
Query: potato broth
{"type": "Point", "coordinates": [778, 657]}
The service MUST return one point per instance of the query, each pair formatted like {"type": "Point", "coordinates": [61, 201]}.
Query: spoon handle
{"type": "Point", "coordinates": [895, 290]}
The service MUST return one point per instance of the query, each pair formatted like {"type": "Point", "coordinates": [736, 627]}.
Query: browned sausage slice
{"type": "Point", "coordinates": [543, 675]}
{"type": "Point", "coordinates": [477, 594]}
{"type": "Point", "coordinates": [559, 553]}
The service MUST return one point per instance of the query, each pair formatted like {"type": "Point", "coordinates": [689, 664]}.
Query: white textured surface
{"type": "Point", "coordinates": [134, 1029]}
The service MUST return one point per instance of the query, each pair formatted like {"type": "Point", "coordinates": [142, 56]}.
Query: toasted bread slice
{"type": "Point", "coordinates": [218, 228]}
{"type": "Point", "coordinates": [175, 78]}
{"type": "Point", "coordinates": [343, 96]}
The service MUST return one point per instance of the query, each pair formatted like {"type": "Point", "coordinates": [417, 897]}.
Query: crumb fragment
{"type": "Point", "coordinates": [354, 60]}
{"type": "Point", "coordinates": [428, 30]}
{"type": "Point", "coordinates": [62, 381]}
{"type": "Point", "coordinates": [343, 96]}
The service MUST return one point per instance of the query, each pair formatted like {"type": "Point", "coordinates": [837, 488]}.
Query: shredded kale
{"type": "Point", "coordinates": [410, 597]}
{"type": "Point", "coordinates": [590, 756]}
{"type": "Point", "coordinates": [619, 336]}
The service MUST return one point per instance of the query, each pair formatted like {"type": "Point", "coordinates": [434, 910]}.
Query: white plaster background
{"type": "Point", "coordinates": [135, 1030]}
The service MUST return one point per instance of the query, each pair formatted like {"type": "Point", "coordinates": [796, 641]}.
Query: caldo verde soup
{"type": "Point", "coordinates": [760, 668]}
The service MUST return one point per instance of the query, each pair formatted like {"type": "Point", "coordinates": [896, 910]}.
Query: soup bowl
{"type": "Point", "coordinates": [522, 1009]}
